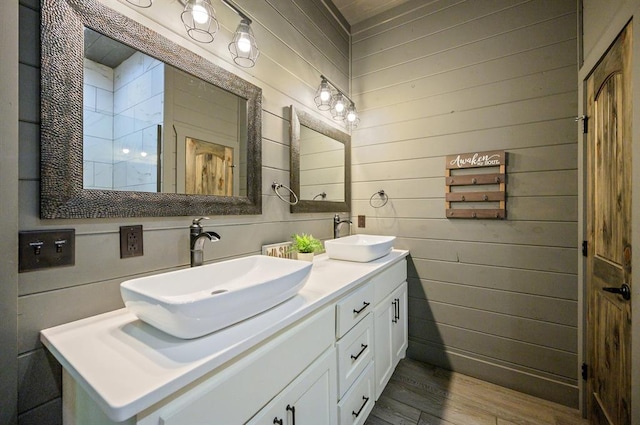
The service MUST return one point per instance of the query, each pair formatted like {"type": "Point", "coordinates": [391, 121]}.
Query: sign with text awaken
{"type": "Point", "coordinates": [475, 185]}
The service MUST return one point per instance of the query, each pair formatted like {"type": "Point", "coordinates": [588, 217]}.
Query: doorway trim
{"type": "Point", "coordinates": [9, 213]}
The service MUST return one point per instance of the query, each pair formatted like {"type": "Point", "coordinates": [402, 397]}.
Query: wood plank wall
{"type": "Point", "coordinates": [492, 299]}
{"type": "Point", "coordinates": [299, 41]}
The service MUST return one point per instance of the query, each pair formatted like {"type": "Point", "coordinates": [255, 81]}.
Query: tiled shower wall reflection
{"type": "Point", "coordinates": [123, 108]}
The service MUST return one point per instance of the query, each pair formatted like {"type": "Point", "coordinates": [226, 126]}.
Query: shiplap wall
{"type": "Point", "coordinates": [492, 299]}
{"type": "Point", "coordinates": [299, 40]}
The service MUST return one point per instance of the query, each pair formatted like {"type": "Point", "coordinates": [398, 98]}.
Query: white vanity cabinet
{"type": "Point", "coordinates": [340, 340]}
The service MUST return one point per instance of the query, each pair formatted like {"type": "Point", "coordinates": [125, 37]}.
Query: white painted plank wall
{"type": "Point", "coordinates": [492, 299]}
{"type": "Point", "coordinates": [298, 43]}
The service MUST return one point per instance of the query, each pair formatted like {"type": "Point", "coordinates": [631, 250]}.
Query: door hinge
{"type": "Point", "coordinates": [585, 248]}
{"type": "Point", "coordinates": [585, 371]}
{"type": "Point", "coordinates": [585, 125]}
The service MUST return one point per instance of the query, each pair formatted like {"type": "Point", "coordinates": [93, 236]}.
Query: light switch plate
{"type": "Point", "coordinates": [43, 249]}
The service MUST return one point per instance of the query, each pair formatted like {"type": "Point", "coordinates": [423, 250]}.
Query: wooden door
{"type": "Point", "coordinates": [209, 168]}
{"type": "Point", "coordinates": [609, 236]}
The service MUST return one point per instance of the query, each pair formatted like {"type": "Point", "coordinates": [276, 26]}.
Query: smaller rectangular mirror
{"type": "Point", "coordinates": [320, 165]}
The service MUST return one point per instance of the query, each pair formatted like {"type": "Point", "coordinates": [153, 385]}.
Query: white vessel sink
{"type": "Point", "coordinates": [194, 302]}
{"type": "Point", "coordinates": [360, 248]}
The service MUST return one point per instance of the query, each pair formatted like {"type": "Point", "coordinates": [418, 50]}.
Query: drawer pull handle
{"type": "Point", "coordinates": [356, 414]}
{"type": "Point", "coordinates": [364, 305]}
{"type": "Point", "coordinates": [395, 311]}
{"type": "Point", "coordinates": [277, 421]}
{"type": "Point", "coordinates": [292, 409]}
{"type": "Point", "coordinates": [364, 347]}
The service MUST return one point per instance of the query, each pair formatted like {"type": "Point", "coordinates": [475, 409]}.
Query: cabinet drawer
{"type": "Point", "coordinates": [236, 393]}
{"type": "Point", "coordinates": [356, 405]}
{"type": "Point", "coordinates": [351, 309]}
{"type": "Point", "coordinates": [388, 280]}
{"type": "Point", "coordinates": [355, 351]}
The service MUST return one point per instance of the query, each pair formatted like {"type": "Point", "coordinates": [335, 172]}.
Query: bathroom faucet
{"type": "Point", "coordinates": [197, 238]}
{"type": "Point", "coordinates": [336, 226]}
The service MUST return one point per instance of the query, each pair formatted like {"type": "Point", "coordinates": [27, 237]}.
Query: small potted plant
{"type": "Point", "coordinates": [305, 246]}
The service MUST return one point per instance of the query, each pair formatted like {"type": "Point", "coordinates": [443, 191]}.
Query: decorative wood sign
{"type": "Point", "coordinates": [280, 250]}
{"type": "Point", "coordinates": [462, 183]}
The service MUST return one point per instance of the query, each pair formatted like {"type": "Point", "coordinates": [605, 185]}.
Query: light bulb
{"type": "Point", "coordinates": [244, 44]}
{"type": "Point", "coordinates": [339, 106]}
{"type": "Point", "coordinates": [200, 14]}
{"type": "Point", "coordinates": [125, 150]}
{"type": "Point", "coordinates": [351, 116]}
{"type": "Point", "coordinates": [143, 154]}
{"type": "Point", "coordinates": [325, 95]}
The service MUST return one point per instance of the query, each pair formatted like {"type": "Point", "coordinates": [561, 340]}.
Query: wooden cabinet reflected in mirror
{"type": "Point", "coordinates": [120, 105]}
{"type": "Point", "coordinates": [320, 163]}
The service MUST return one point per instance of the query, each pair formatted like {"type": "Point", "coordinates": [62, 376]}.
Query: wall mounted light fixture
{"type": "Point", "coordinates": [330, 98]}
{"type": "Point", "coordinates": [199, 18]}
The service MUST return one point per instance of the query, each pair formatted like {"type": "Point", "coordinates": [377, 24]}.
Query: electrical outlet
{"type": "Point", "coordinates": [131, 241]}
{"type": "Point", "coordinates": [361, 221]}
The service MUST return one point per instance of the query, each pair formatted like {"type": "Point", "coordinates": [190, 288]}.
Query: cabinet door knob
{"type": "Point", "coordinates": [277, 421]}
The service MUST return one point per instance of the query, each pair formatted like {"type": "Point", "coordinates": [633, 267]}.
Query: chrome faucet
{"type": "Point", "coordinates": [336, 226]}
{"type": "Point", "coordinates": [197, 237]}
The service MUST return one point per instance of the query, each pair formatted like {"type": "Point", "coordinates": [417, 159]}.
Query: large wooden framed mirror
{"type": "Point", "coordinates": [134, 125]}
{"type": "Point", "coordinates": [320, 165]}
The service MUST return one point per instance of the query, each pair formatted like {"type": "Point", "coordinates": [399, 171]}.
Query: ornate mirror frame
{"type": "Point", "coordinates": [61, 188]}
{"type": "Point", "coordinates": [298, 118]}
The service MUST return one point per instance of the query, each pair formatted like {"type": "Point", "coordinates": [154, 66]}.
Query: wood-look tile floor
{"type": "Point", "coordinates": [421, 394]}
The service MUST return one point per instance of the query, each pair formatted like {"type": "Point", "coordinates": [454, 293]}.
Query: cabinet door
{"type": "Point", "coordinates": [383, 350]}
{"type": "Point", "coordinates": [399, 328]}
{"type": "Point", "coordinates": [391, 338]}
{"type": "Point", "coordinates": [309, 400]}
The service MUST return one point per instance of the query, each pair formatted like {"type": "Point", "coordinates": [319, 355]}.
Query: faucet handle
{"type": "Point", "coordinates": [196, 221]}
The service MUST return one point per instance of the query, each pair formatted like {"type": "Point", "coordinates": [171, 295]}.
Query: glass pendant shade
{"type": "Point", "coordinates": [339, 107]}
{"type": "Point", "coordinates": [200, 21]}
{"type": "Point", "coordinates": [243, 47]}
{"type": "Point", "coordinates": [141, 3]}
{"type": "Point", "coordinates": [324, 97]}
{"type": "Point", "coordinates": [352, 117]}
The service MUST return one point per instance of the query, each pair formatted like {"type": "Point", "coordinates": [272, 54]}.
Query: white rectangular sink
{"type": "Point", "coordinates": [194, 302]}
{"type": "Point", "coordinates": [359, 248]}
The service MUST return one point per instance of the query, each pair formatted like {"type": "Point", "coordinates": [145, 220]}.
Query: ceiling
{"type": "Point", "coordinates": [355, 11]}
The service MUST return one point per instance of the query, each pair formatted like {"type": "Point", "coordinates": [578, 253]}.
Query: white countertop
{"type": "Point", "coordinates": [127, 366]}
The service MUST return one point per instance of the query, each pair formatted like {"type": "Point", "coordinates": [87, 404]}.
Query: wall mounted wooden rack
{"type": "Point", "coordinates": [489, 170]}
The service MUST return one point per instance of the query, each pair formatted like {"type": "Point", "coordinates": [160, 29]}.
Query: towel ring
{"type": "Point", "coordinates": [275, 186]}
{"type": "Point", "coordinates": [322, 195]}
{"type": "Point", "coordinates": [383, 196]}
